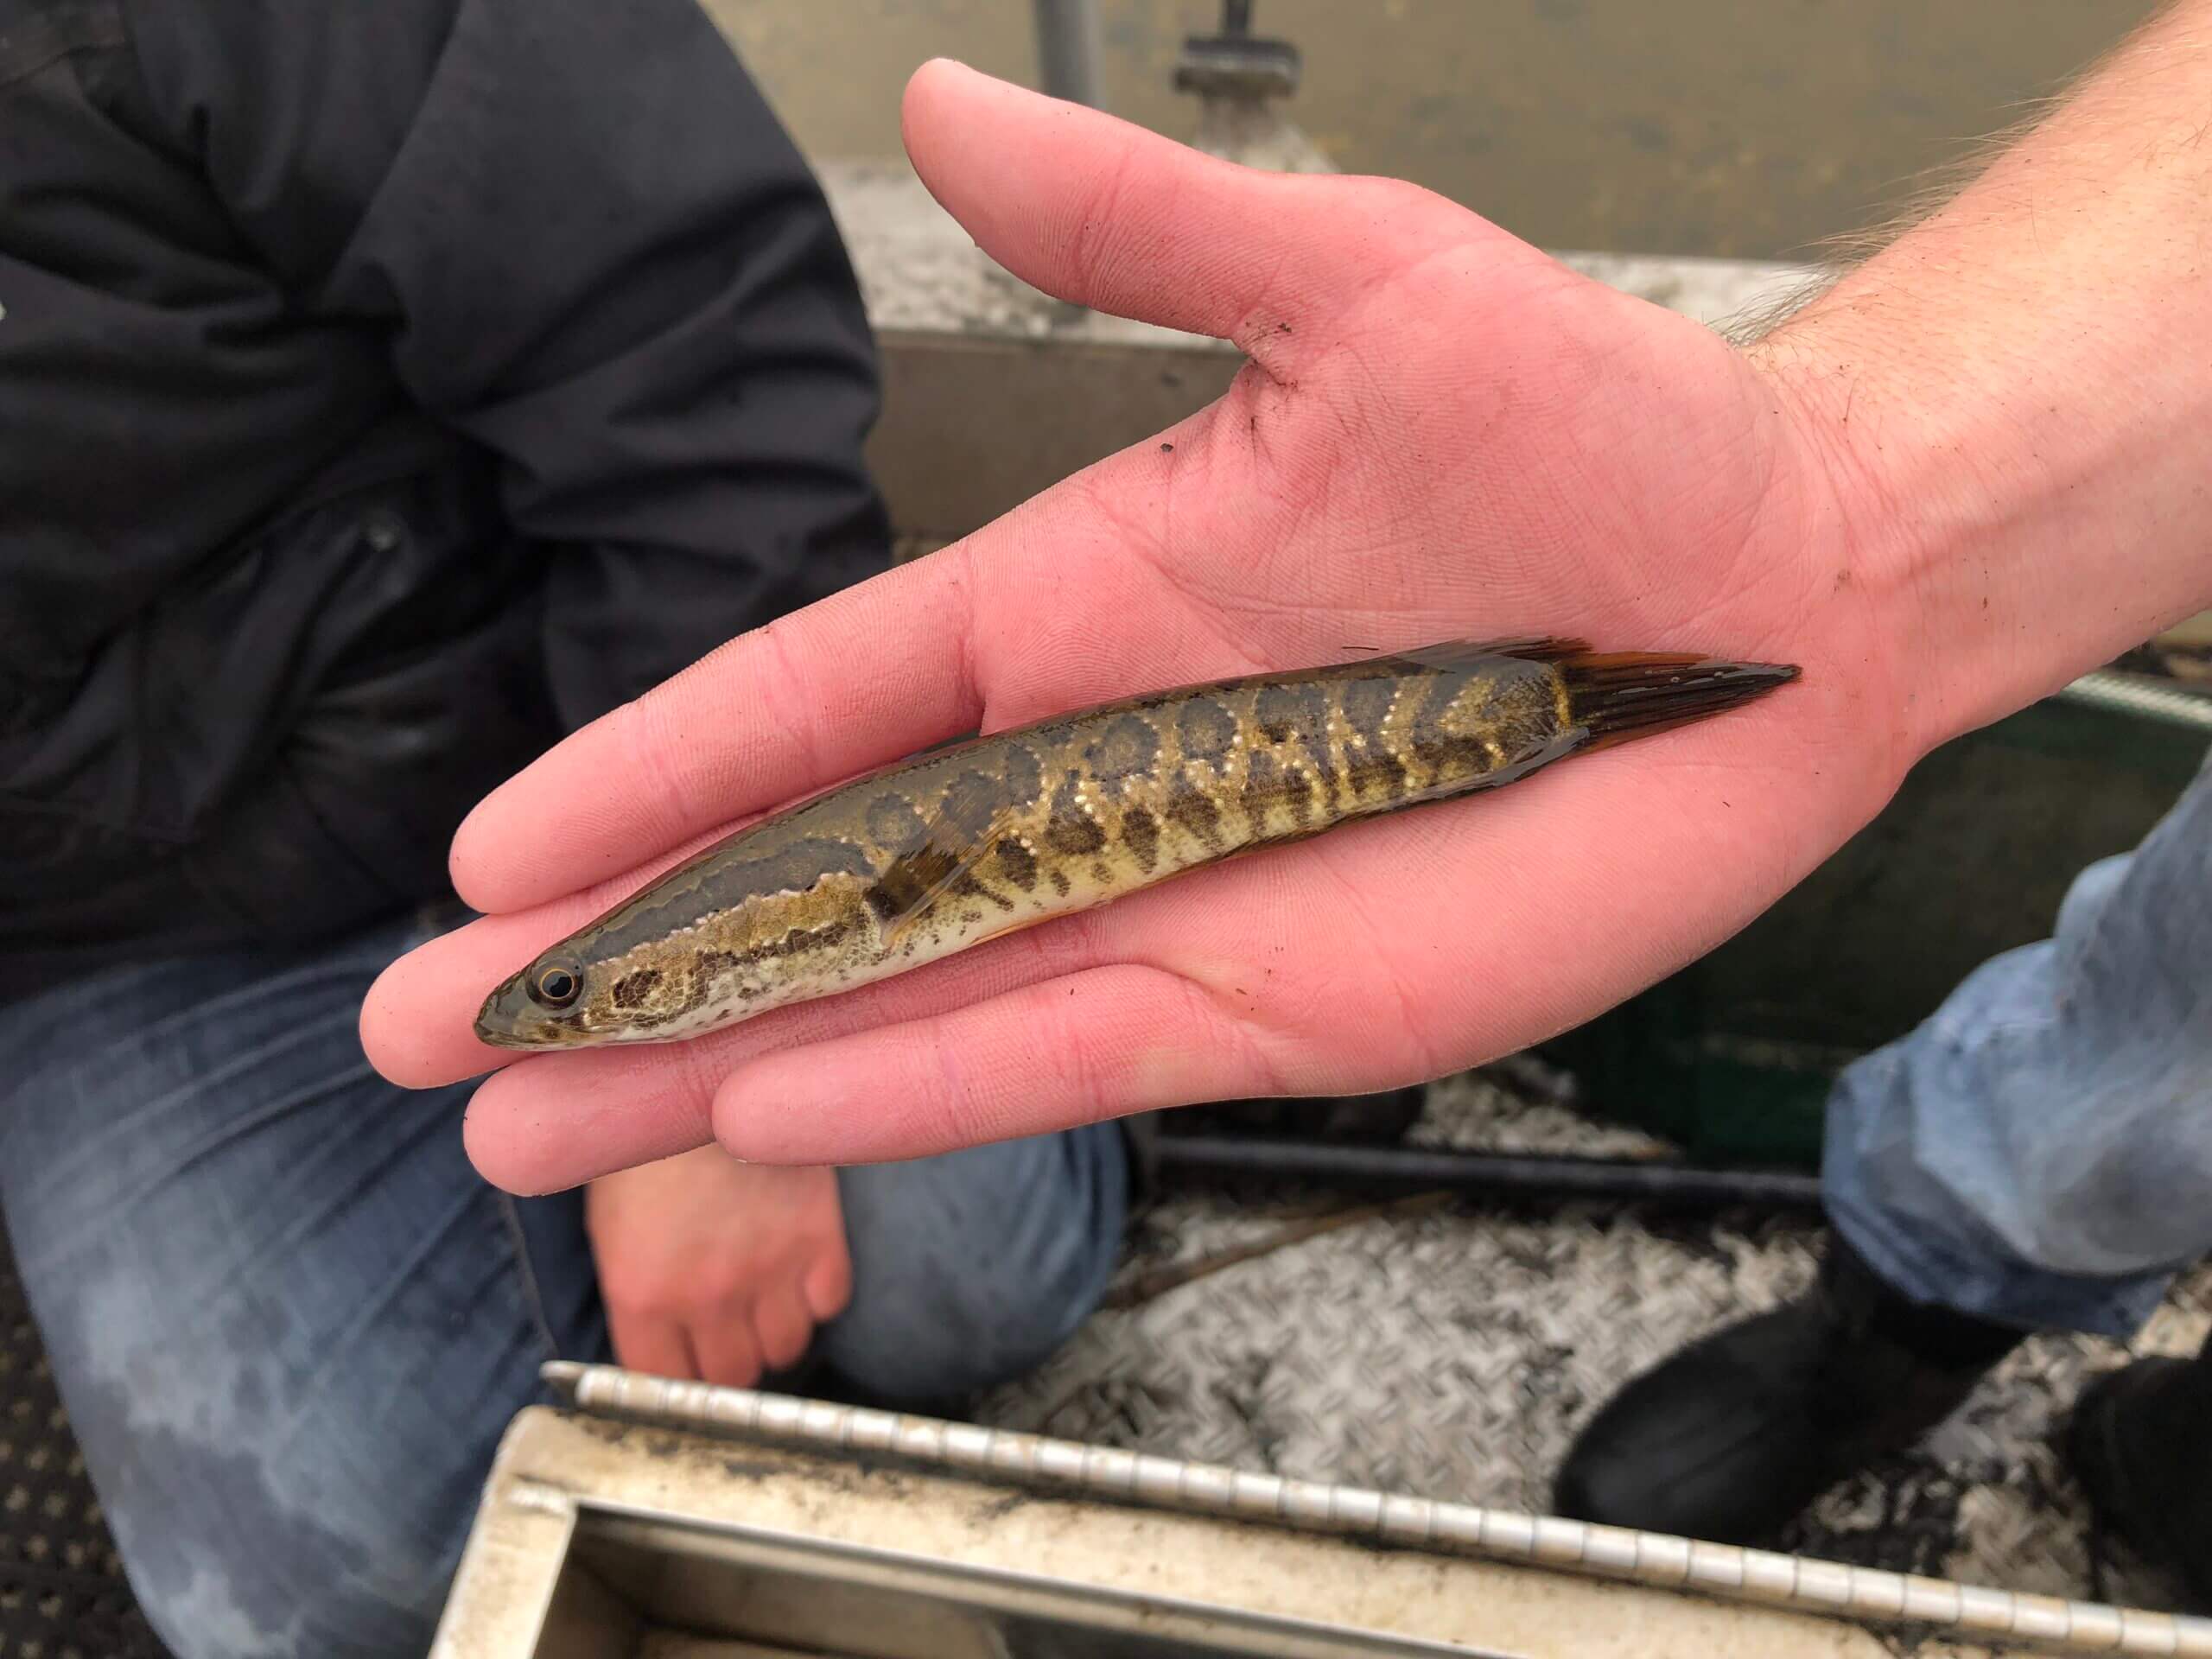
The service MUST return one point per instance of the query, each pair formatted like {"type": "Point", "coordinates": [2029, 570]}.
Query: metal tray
{"type": "Point", "coordinates": [676, 1521]}
{"type": "Point", "coordinates": [634, 1582]}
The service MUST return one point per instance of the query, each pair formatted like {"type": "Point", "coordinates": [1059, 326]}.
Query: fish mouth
{"type": "Point", "coordinates": [493, 1036]}
{"type": "Point", "coordinates": [535, 1040]}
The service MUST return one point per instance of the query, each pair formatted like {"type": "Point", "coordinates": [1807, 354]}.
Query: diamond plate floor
{"type": "Point", "coordinates": [1455, 1354]}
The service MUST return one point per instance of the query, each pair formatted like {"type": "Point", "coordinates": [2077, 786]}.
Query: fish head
{"type": "Point", "coordinates": [569, 998]}
{"type": "Point", "coordinates": [617, 984]}
{"type": "Point", "coordinates": [551, 1003]}
{"type": "Point", "coordinates": [779, 913]}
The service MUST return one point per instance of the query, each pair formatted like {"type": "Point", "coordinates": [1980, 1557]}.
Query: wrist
{"type": "Point", "coordinates": [1816, 375]}
{"type": "Point", "coordinates": [1859, 504]}
{"type": "Point", "coordinates": [2011, 523]}
{"type": "Point", "coordinates": [2011, 401]}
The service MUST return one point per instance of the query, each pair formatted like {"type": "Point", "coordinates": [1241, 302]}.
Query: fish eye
{"type": "Point", "coordinates": [557, 986]}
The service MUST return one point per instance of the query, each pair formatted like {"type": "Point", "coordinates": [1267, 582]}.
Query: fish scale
{"type": "Point", "coordinates": [959, 846]}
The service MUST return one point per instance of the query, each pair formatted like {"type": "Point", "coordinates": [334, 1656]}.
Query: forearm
{"type": "Point", "coordinates": [2015, 396]}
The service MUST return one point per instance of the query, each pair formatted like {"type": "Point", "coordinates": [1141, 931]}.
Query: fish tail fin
{"type": "Point", "coordinates": [1618, 696]}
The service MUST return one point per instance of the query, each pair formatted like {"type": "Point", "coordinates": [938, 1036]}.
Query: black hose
{"type": "Point", "coordinates": [1489, 1174]}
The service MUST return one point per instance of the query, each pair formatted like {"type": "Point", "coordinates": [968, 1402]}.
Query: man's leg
{"type": "Point", "coordinates": [2037, 1154]}
{"type": "Point", "coordinates": [288, 1319]}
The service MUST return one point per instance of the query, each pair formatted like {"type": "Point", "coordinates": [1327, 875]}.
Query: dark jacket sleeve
{"type": "Point", "coordinates": [593, 249]}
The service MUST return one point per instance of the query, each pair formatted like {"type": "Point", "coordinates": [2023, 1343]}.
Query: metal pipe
{"type": "Point", "coordinates": [1723, 1571]}
{"type": "Point", "coordinates": [1069, 51]}
{"type": "Point", "coordinates": [1489, 1174]}
{"type": "Point", "coordinates": [2141, 693]}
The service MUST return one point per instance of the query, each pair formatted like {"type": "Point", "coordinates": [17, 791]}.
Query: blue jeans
{"type": "Point", "coordinates": [2039, 1151]}
{"type": "Point", "coordinates": [289, 1322]}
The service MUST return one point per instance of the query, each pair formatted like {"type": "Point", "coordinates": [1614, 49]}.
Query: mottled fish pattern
{"type": "Point", "coordinates": [961, 845]}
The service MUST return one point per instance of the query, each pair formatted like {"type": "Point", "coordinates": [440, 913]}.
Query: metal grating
{"type": "Point", "coordinates": [1454, 1354]}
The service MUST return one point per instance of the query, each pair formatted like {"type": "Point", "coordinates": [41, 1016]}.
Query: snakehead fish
{"type": "Point", "coordinates": [961, 844]}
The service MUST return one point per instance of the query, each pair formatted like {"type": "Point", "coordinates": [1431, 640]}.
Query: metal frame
{"type": "Point", "coordinates": [1800, 1584]}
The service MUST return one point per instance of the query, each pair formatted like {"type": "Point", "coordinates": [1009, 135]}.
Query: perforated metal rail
{"type": "Point", "coordinates": [2143, 695]}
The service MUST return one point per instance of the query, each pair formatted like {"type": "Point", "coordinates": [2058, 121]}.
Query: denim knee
{"type": "Point", "coordinates": [263, 1512]}
{"type": "Point", "coordinates": [288, 1319]}
{"type": "Point", "coordinates": [972, 1267]}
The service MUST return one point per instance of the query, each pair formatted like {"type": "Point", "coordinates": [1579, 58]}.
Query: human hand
{"type": "Point", "coordinates": [714, 1270]}
{"type": "Point", "coordinates": [1442, 433]}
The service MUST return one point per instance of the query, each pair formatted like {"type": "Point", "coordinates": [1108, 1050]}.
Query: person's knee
{"type": "Point", "coordinates": [237, 1549]}
{"type": "Point", "coordinates": [286, 1367]}
{"type": "Point", "coordinates": [971, 1268]}
{"type": "Point", "coordinates": [263, 1507]}
{"type": "Point", "coordinates": [275, 1575]}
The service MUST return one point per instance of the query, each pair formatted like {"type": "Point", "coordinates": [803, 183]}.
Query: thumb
{"type": "Point", "coordinates": [1098, 210]}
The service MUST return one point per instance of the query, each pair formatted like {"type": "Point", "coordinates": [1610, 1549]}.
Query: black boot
{"type": "Point", "coordinates": [1732, 1437]}
{"type": "Point", "coordinates": [2140, 1443]}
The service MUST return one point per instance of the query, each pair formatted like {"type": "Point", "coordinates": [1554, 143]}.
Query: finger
{"type": "Point", "coordinates": [864, 676]}
{"type": "Point", "coordinates": [1096, 1045]}
{"type": "Point", "coordinates": [782, 1328]}
{"type": "Point", "coordinates": [643, 1342]}
{"type": "Point", "coordinates": [417, 1022]}
{"type": "Point", "coordinates": [828, 1287]}
{"type": "Point", "coordinates": [729, 1352]}
{"type": "Point", "coordinates": [1099, 211]}
{"type": "Point", "coordinates": [559, 1119]}
{"type": "Point", "coordinates": [590, 1114]}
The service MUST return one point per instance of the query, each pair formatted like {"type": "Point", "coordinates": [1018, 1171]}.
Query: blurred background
{"type": "Point", "coordinates": [1745, 129]}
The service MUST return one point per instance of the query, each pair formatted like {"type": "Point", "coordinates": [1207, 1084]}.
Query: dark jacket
{"type": "Point", "coordinates": [384, 390]}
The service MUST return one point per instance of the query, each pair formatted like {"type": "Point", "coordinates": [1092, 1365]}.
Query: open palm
{"type": "Point", "coordinates": [1441, 432]}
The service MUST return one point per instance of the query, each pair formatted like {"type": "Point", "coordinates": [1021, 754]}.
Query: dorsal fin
{"type": "Point", "coordinates": [1466, 653]}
